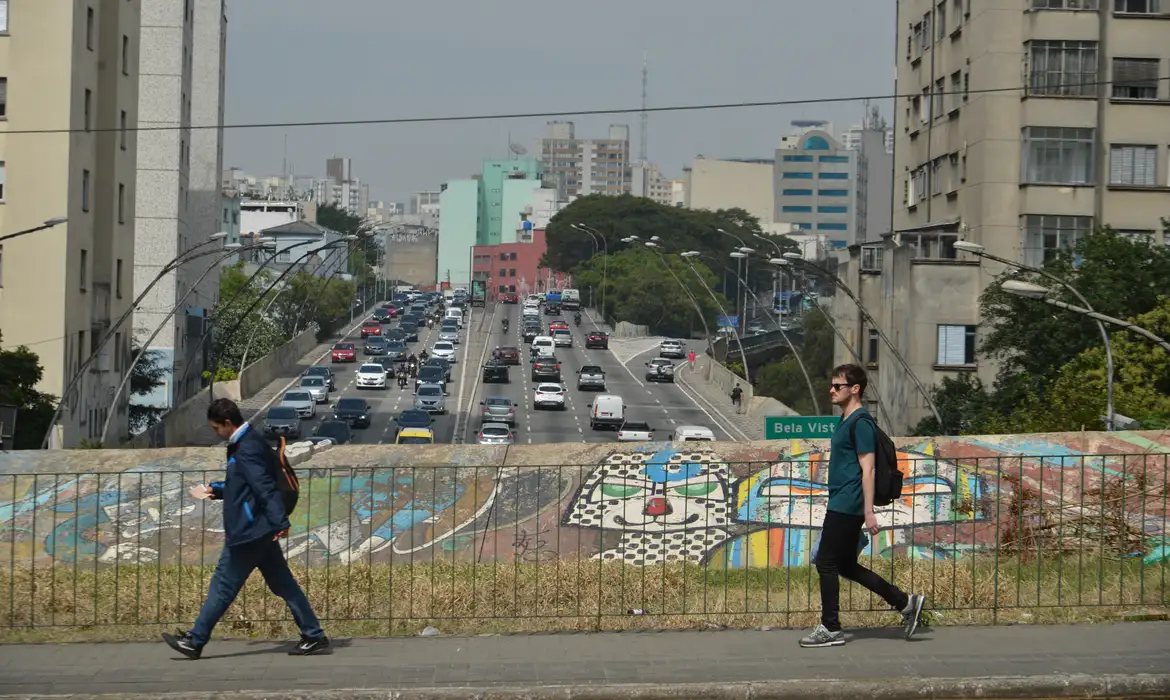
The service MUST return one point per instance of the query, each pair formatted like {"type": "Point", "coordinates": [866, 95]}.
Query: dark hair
{"type": "Point", "coordinates": [853, 375]}
{"type": "Point", "coordinates": [225, 411]}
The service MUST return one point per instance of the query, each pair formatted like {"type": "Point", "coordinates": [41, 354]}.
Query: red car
{"type": "Point", "coordinates": [509, 355]}
{"type": "Point", "coordinates": [371, 327]}
{"type": "Point", "coordinates": [509, 298]}
{"type": "Point", "coordinates": [391, 309]}
{"type": "Point", "coordinates": [344, 352]}
{"type": "Point", "coordinates": [597, 339]}
{"type": "Point", "coordinates": [558, 326]}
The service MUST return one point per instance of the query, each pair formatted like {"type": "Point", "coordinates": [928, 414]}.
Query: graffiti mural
{"type": "Point", "coordinates": [734, 505]}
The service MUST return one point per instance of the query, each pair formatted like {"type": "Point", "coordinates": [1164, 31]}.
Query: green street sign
{"type": "Point", "coordinates": [799, 427]}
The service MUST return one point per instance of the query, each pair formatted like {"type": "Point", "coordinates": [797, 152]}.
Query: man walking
{"type": "Point", "coordinates": [851, 489]}
{"type": "Point", "coordinates": [737, 398]}
{"type": "Point", "coordinates": [691, 359]}
{"type": "Point", "coordinates": [253, 522]}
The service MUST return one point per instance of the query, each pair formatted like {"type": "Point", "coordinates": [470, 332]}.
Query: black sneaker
{"type": "Point", "coordinates": [182, 643]}
{"type": "Point", "coordinates": [310, 646]}
{"type": "Point", "coordinates": [912, 615]}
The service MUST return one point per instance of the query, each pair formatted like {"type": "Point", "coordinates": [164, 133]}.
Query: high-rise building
{"type": "Point", "coordinates": [648, 182]}
{"type": "Point", "coordinates": [425, 202]}
{"type": "Point", "coordinates": [851, 138]}
{"type": "Point", "coordinates": [816, 185]}
{"type": "Point", "coordinates": [75, 65]}
{"type": "Point", "coordinates": [1027, 125]}
{"type": "Point", "coordinates": [340, 188]}
{"type": "Point", "coordinates": [579, 167]}
{"type": "Point", "coordinates": [179, 170]}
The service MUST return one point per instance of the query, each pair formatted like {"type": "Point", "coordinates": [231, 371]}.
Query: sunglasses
{"type": "Point", "coordinates": [837, 387]}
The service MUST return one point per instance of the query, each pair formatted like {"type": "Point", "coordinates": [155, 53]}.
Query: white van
{"type": "Point", "coordinates": [692, 433]}
{"type": "Point", "coordinates": [544, 345]}
{"type": "Point", "coordinates": [607, 411]}
{"type": "Point", "coordinates": [455, 313]}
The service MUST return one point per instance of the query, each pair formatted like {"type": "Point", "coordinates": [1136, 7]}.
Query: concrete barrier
{"type": "Point", "coordinates": [186, 424]}
{"type": "Point", "coordinates": [628, 330]}
{"type": "Point", "coordinates": [277, 363]}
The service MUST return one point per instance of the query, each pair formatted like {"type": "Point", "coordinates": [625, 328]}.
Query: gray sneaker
{"type": "Point", "coordinates": [822, 637]}
{"type": "Point", "coordinates": [912, 615]}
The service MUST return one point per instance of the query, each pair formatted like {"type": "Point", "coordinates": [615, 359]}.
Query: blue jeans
{"type": "Point", "coordinates": [235, 565]}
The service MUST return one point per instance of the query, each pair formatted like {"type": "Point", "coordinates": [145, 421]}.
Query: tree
{"type": "Point", "coordinates": [230, 341]}
{"type": "Point", "coordinates": [783, 380]}
{"type": "Point", "coordinates": [147, 376]}
{"type": "Point", "coordinates": [347, 223]}
{"type": "Point", "coordinates": [311, 299]}
{"type": "Point", "coordinates": [20, 372]}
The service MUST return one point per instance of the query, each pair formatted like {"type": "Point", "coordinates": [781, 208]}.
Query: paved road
{"type": "Point", "coordinates": [664, 406]}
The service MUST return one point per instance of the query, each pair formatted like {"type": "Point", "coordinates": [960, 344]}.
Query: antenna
{"type": "Point", "coordinates": [284, 161]}
{"type": "Point", "coordinates": [645, 117]}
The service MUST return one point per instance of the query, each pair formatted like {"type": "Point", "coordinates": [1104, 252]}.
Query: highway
{"type": "Point", "coordinates": [664, 406]}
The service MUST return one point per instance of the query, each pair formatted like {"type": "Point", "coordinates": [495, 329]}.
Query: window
{"type": "Point", "coordinates": [511, 272]}
{"type": "Point", "coordinates": [89, 28]}
{"type": "Point", "coordinates": [834, 176]}
{"type": "Point", "coordinates": [959, 13]}
{"type": "Point", "coordinates": [84, 190]}
{"type": "Point", "coordinates": [503, 256]}
{"type": "Point", "coordinates": [954, 175]}
{"type": "Point", "coordinates": [833, 193]}
{"type": "Point", "coordinates": [940, 97]}
{"type": "Point", "coordinates": [797, 193]}
{"type": "Point", "coordinates": [927, 34]}
{"type": "Point", "coordinates": [1137, 235]}
{"type": "Point", "coordinates": [502, 273]}
{"type": "Point", "coordinates": [956, 96]}
{"type": "Point", "coordinates": [798, 159]}
{"type": "Point", "coordinates": [917, 43]}
{"type": "Point", "coordinates": [1067, 68]}
{"type": "Point", "coordinates": [1048, 235]}
{"type": "Point", "coordinates": [956, 345]}
{"type": "Point", "coordinates": [940, 20]}
{"type": "Point", "coordinates": [834, 209]}
{"type": "Point", "coordinates": [936, 176]}
{"type": "Point", "coordinates": [3, 97]}
{"type": "Point", "coordinates": [871, 350]}
{"type": "Point", "coordinates": [833, 159]}
{"type": "Point", "coordinates": [1058, 155]}
{"type": "Point", "coordinates": [1, 265]}
{"type": "Point", "coordinates": [916, 190]}
{"type": "Point", "coordinates": [796, 209]}
{"type": "Point", "coordinates": [1135, 78]}
{"type": "Point", "coordinates": [126, 55]}
{"type": "Point", "coordinates": [924, 106]}
{"type": "Point", "coordinates": [3, 178]}
{"type": "Point", "coordinates": [797, 176]}
{"type": "Point", "coordinates": [871, 258]}
{"type": "Point", "coordinates": [1064, 4]}
{"type": "Point", "coordinates": [1133, 165]}
{"type": "Point", "coordinates": [4, 16]}
{"type": "Point", "coordinates": [118, 278]}
{"type": "Point", "coordinates": [121, 203]}
{"type": "Point", "coordinates": [832, 227]}
{"type": "Point", "coordinates": [931, 246]}
{"type": "Point", "coordinates": [122, 130]}
{"type": "Point", "coordinates": [83, 277]}
{"type": "Point", "coordinates": [88, 107]}
{"type": "Point", "coordinates": [1138, 7]}
{"type": "Point", "coordinates": [511, 256]}
{"type": "Point", "coordinates": [914, 109]}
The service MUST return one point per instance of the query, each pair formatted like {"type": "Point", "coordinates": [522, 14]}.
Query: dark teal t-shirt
{"type": "Point", "coordinates": [845, 493]}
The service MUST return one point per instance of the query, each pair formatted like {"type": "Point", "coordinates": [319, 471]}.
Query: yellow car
{"type": "Point", "coordinates": [416, 436]}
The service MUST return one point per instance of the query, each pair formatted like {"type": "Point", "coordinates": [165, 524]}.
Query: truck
{"type": "Point", "coordinates": [570, 300]}
{"type": "Point", "coordinates": [478, 293]}
{"type": "Point", "coordinates": [552, 302]}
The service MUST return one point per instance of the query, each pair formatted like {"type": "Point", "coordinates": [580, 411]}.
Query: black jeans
{"type": "Point", "coordinates": [837, 556]}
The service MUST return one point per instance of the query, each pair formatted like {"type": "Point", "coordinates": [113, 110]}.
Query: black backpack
{"type": "Point", "coordinates": [887, 480]}
{"type": "Point", "coordinates": [285, 477]}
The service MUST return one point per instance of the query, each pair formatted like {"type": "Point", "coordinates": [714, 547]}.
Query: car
{"type": "Point", "coordinates": [394, 334]}
{"type": "Point", "coordinates": [495, 371]}
{"type": "Point", "coordinates": [354, 411]}
{"type": "Point", "coordinates": [382, 316]}
{"type": "Point", "coordinates": [591, 377]}
{"type": "Point", "coordinates": [597, 339]}
{"type": "Point", "coordinates": [396, 350]}
{"type": "Point", "coordinates": [530, 332]}
{"type": "Point", "coordinates": [371, 376]}
{"type": "Point", "coordinates": [375, 345]}
{"type": "Point", "coordinates": [415, 436]}
{"type": "Point", "coordinates": [445, 350]}
{"type": "Point", "coordinates": [430, 398]}
{"type": "Point", "coordinates": [558, 326]}
{"type": "Point", "coordinates": [552, 309]}
{"type": "Point", "coordinates": [322, 371]}
{"type": "Point", "coordinates": [549, 395]}
{"type": "Point", "coordinates": [413, 418]}
{"type": "Point", "coordinates": [508, 354]}
{"type": "Point", "coordinates": [317, 386]}
{"type": "Point", "coordinates": [441, 363]}
{"type": "Point", "coordinates": [660, 369]}
{"type": "Point", "coordinates": [371, 327]}
{"type": "Point", "coordinates": [344, 352]}
{"type": "Point", "coordinates": [672, 348]}
{"type": "Point", "coordinates": [336, 431]}
{"type": "Point", "coordinates": [562, 338]}
{"type": "Point", "coordinates": [449, 335]}
{"type": "Point", "coordinates": [386, 363]}
{"type": "Point", "coordinates": [635, 431]}
{"type": "Point", "coordinates": [546, 369]}
{"type": "Point", "coordinates": [755, 326]}
{"type": "Point", "coordinates": [496, 434]}
{"type": "Point", "coordinates": [509, 298]}
{"type": "Point", "coordinates": [498, 409]}
{"type": "Point", "coordinates": [301, 401]}
{"type": "Point", "coordinates": [431, 375]}
{"type": "Point", "coordinates": [282, 421]}
{"type": "Point", "coordinates": [410, 331]}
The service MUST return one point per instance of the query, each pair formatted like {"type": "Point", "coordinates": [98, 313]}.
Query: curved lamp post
{"type": "Point", "coordinates": [686, 290]}
{"type": "Point", "coordinates": [305, 303]}
{"type": "Point", "coordinates": [604, 261]}
{"type": "Point", "coordinates": [873, 324]}
{"type": "Point", "coordinates": [979, 251]}
{"type": "Point", "coordinates": [1035, 291]}
{"type": "Point", "coordinates": [146, 345]}
{"type": "Point", "coordinates": [687, 257]}
{"type": "Point", "coordinates": [743, 248]}
{"type": "Point", "coordinates": [186, 256]}
{"type": "Point", "coordinates": [49, 223]}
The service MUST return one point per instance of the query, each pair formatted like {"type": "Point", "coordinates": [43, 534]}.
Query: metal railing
{"type": "Point", "coordinates": [664, 539]}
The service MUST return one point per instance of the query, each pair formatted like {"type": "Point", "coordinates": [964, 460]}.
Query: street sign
{"type": "Point", "coordinates": [799, 427]}
{"type": "Point", "coordinates": [727, 321]}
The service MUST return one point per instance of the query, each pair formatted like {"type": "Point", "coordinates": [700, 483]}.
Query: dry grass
{"type": "Point", "coordinates": [135, 602]}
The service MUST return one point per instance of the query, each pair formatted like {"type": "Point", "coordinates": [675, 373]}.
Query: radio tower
{"type": "Point", "coordinates": [644, 125]}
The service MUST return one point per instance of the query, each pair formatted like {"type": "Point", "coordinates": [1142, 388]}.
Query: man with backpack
{"type": "Point", "coordinates": [863, 472]}
{"type": "Point", "coordinates": [737, 398]}
{"type": "Point", "coordinates": [255, 518]}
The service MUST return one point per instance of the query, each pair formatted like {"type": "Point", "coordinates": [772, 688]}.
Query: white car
{"type": "Point", "coordinates": [635, 431]}
{"type": "Point", "coordinates": [549, 396]}
{"type": "Point", "coordinates": [444, 350]}
{"type": "Point", "coordinates": [371, 376]}
{"type": "Point", "coordinates": [672, 348]}
{"type": "Point", "coordinates": [562, 338]}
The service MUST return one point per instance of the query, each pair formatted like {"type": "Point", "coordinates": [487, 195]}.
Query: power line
{"type": "Point", "coordinates": [571, 113]}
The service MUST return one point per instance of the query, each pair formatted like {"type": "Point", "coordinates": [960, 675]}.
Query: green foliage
{"type": "Point", "coordinates": [20, 371]}
{"type": "Point", "coordinates": [342, 221]}
{"type": "Point", "coordinates": [783, 380]}
{"type": "Point", "coordinates": [311, 299]}
{"type": "Point", "coordinates": [148, 374]}
{"type": "Point", "coordinates": [222, 374]}
{"type": "Point", "coordinates": [230, 341]}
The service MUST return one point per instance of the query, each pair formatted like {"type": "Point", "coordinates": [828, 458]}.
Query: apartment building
{"type": "Point", "coordinates": [340, 188]}
{"type": "Point", "coordinates": [70, 65]}
{"type": "Point", "coordinates": [648, 182]}
{"type": "Point", "coordinates": [816, 186]}
{"type": "Point", "coordinates": [579, 167]}
{"type": "Point", "coordinates": [728, 183]}
{"type": "Point", "coordinates": [1029, 123]}
{"type": "Point", "coordinates": [181, 203]}
{"type": "Point", "coordinates": [425, 202]}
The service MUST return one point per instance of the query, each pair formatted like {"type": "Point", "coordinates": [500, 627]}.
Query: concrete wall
{"type": "Point", "coordinates": [628, 330]}
{"type": "Point", "coordinates": [277, 363]}
{"type": "Point", "coordinates": [186, 424]}
{"type": "Point", "coordinates": [459, 503]}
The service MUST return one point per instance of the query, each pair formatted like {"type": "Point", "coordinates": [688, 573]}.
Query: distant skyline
{"type": "Point", "coordinates": [368, 59]}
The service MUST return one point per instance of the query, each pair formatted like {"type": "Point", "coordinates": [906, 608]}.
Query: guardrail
{"type": "Point", "coordinates": [628, 542]}
{"type": "Point", "coordinates": [752, 344]}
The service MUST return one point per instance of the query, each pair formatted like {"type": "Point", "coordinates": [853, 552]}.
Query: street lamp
{"type": "Point", "coordinates": [49, 223]}
{"type": "Point", "coordinates": [873, 324]}
{"type": "Point", "coordinates": [604, 263]}
{"type": "Point", "coordinates": [686, 290]}
{"type": "Point", "coordinates": [979, 251]}
{"type": "Point", "coordinates": [1035, 291]}
{"type": "Point", "coordinates": [687, 257]}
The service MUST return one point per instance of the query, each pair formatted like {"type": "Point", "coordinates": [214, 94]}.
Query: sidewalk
{"type": "Point", "coordinates": [714, 399]}
{"type": "Point", "coordinates": [1110, 660]}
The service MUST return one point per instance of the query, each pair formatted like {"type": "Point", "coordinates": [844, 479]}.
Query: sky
{"type": "Point", "coordinates": [291, 60]}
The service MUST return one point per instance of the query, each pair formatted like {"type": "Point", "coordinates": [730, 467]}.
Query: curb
{"type": "Point", "coordinates": [1002, 688]}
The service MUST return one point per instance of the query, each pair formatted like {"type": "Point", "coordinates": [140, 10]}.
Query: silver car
{"type": "Point", "coordinates": [496, 434]}
{"type": "Point", "coordinates": [302, 402]}
{"type": "Point", "coordinates": [430, 398]}
{"type": "Point", "coordinates": [318, 387]}
{"type": "Point", "coordinates": [449, 335]}
{"type": "Point", "coordinates": [498, 409]}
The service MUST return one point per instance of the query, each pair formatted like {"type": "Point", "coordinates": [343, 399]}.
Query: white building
{"type": "Point", "coordinates": [580, 167]}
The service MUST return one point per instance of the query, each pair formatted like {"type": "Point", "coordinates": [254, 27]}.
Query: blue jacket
{"type": "Point", "coordinates": [252, 507]}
